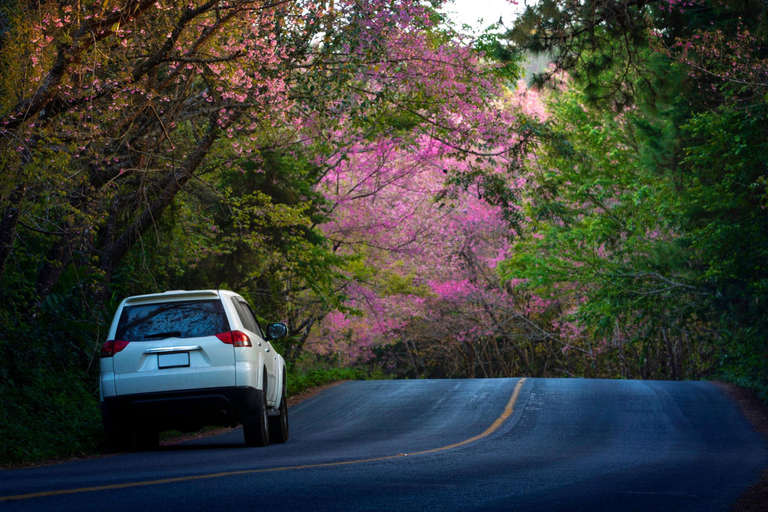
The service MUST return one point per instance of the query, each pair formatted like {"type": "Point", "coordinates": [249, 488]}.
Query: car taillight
{"type": "Point", "coordinates": [112, 347]}
{"type": "Point", "coordinates": [235, 338]}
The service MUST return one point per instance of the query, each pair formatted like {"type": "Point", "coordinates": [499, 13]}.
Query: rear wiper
{"type": "Point", "coordinates": [169, 334]}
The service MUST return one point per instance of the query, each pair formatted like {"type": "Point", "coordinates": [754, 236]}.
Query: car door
{"type": "Point", "coordinates": [260, 346]}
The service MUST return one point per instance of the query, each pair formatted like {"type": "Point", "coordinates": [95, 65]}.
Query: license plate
{"type": "Point", "coordinates": [175, 360]}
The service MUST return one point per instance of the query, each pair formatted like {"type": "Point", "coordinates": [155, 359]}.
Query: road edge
{"type": "Point", "coordinates": [755, 410]}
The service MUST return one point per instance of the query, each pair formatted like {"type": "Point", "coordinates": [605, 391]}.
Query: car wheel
{"type": "Point", "coordinates": [278, 425]}
{"type": "Point", "coordinates": [146, 439]}
{"type": "Point", "coordinates": [256, 433]}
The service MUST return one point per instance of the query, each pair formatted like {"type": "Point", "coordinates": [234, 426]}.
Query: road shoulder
{"type": "Point", "coordinates": [756, 411]}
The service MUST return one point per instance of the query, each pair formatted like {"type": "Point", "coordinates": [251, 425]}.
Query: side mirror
{"type": "Point", "coordinates": [276, 331]}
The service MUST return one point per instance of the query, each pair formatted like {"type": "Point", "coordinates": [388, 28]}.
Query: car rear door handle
{"type": "Point", "coordinates": [163, 350]}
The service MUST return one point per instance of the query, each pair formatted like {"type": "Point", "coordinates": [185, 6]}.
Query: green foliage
{"type": "Point", "coordinates": [723, 213]}
{"type": "Point", "coordinates": [398, 284]}
{"type": "Point", "coordinates": [300, 382]}
{"type": "Point", "coordinates": [508, 59]}
{"type": "Point", "coordinates": [597, 43]}
{"type": "Point", "coordinates": [47, 380]}
{"type": "Point", "coordinates": [647, 200]}
{"type": "Point", "coordinates": [602, 232]}
{"type": "Point", "coordinates": [51, 416]}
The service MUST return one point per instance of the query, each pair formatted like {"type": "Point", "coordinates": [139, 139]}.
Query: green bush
{"type": "Point", "coordinates": [51, 417]}
{"type": "Point", "coordinates": [745, 363]}
{"type": "Point", "coordinates": [298, 381]}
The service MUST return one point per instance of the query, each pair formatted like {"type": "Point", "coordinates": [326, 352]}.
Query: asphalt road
{"type": "Point", "coordinates": [504, 444]}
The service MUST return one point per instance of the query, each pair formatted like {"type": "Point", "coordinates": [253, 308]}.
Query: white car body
{"type": "Point", "coordinates": [189, 376]}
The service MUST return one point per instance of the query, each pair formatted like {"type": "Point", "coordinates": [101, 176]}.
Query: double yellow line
{"type": "Point", "coordinates": [508, 410]}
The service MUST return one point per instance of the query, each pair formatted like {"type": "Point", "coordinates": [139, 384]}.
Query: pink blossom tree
{"type": "Point", "coordinates": [424, 283]}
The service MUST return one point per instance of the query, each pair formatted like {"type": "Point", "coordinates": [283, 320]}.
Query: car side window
{"type": "Point", "coordinates": [257, 330]}
{"type": "Point", "coordinates": [245, 317]}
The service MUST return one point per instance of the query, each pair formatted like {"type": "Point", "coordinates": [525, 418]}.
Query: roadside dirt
{"type": "Point", "coordinates": [756, 411]}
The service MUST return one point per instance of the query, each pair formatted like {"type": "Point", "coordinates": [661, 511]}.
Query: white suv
{"type": "Point", "coordinates": [182, 360]}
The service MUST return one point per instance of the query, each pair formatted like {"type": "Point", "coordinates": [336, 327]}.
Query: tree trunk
{"type": "Point", "coordinates": [295, 350]}
{"type": "Point", "coordinates": [174, 182]}
{"type": "Point", "coordinates": [8, 225]}
{"type": "Point", "coordinates": [55, 261]}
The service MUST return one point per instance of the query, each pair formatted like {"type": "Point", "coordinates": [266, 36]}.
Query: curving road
{"type": "Point", "coordinates": [485, 445]}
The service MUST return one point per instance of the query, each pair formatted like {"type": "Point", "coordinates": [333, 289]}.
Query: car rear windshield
{"type": "Point", "coordinates": [183, 319]}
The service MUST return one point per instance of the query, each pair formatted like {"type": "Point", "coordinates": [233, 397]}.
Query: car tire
{"type": "Point", "coordinates": [146, 439]}
{"type": "Point", "coordinates": [278, 425]}
{"type": "Point", "coordinates": [256, 433]}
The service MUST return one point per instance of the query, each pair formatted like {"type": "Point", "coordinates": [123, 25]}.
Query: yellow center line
{"type": "Point", "coordinates": [508, 410]}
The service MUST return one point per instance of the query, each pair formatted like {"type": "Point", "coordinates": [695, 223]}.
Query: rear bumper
{"type": "Point", "coordinates": [187, 410]}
